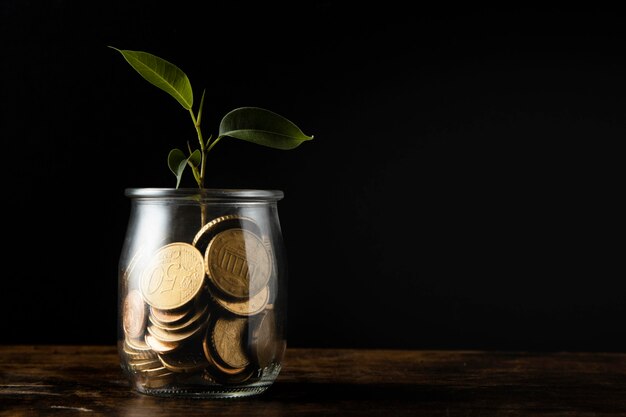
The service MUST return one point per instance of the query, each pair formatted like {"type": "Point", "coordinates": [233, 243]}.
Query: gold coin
{"type": "Point", "coordinates": [173, 276]}
{"type": "Point", "coordinates": [144, 365]}
{"type": "Point", "coordinates": [166, 317]}
{"type": "Point", "coordinates": [134, 314]}
{"type": "Point", "coordinates": [137, 344]}
{"type": "Point", "coordinates": [137, 349]}
{"type": "Point", "coordinates": [178, 336]}
{"type": "Point", "coordinates": [209, 356]}
{"type": "Point", "coordinates": [187, 360]}
{"type": "Point", "coordinates": [181, 326]}
{"type": "Point", "coordinates": [157, 372]}
{"type": "Point", "coordinates": [238, 263]}
{"type": "Point", "coordinates": [217, 372]}
{"type": "Point", "coordinates": [228, 335]}
{"type": "Point", "coordinates": [159, 346]}
{"type": "Point", "coordinates": [248, 306]}
{"type": "Point", "coordinates": [203, 237]}
{"type": "Point", "coordinates": [228, 375]}
{"type": "Point", "coordinates": [264, 339]}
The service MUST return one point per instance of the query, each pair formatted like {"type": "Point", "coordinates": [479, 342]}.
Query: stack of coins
{"type": "Point", "coordinates": [203, 308]}
{"type": "Point", "coordinates": [141, 359]}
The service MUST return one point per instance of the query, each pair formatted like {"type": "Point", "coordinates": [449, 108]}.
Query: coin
{"type": "Point", "coordinates": [134, 314]}
{"type": "Point", "coordinates": [177, 336]}
{"type": "Point", "coordinates": [181, 326]}
{"type": "Point", "coordinates": [169, 316]}
{"type": "Point", "coordinates": [248, 306]}
{"type": "Point", "coordinates": [173, 276]}
{"type": "Point", "coordinates": [145, 365]}
{"type": "Point", "coordinates": [228, 375]}
{"type": "Point", "coordinates": [186, 360]}
{"type": "Point", "coordinates": [227, 340]}
{"type": "Point", "coordinates": [136, 349]}
{"type": "Point", "coordinates": [217, 372]}
{"type": "Point", "coordinates": [157, 376]}
{"type": "Point", "coordinates": [157, 371]}
{"type": "Point", "coordinates": [264, 340]}
{"type": "Point", "coordinates": [159, 346]}
{"type": "Point", "coordinates": [136, 345]}
{"type": "Point", "coordinates": [238, 263]}
{"type": "Point", "coordinates": [208, 231]}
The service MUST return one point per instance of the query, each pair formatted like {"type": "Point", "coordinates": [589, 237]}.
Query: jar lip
{"type": "Point", "coordinates": [205, 193]}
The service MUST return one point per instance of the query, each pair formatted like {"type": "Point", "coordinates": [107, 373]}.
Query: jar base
{"type": "Point", "coordinates": [204, 393]}
{"type": "Point", "coordinates": [196, 387]}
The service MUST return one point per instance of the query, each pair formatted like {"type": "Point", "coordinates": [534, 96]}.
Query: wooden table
{"type": "Point", "coordinates": [88, 381]}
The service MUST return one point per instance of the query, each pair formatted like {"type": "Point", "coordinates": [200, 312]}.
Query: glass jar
{"type": "Point", "coordinates": [202, 292]}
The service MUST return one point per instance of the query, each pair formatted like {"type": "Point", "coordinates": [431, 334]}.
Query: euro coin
{"type": "Point", "coordinates": [238, 263]}
{"type": "Point", "coordinates": [173, 276]}
{"type": "Point", "coordinates": [134, 314]}
{"type": "Point", "coordinates": [228, 335]}
{"type": "Point", "coordinates": [211, 229]}
{"type": "Point", "coordinates": [137, 349]}
{"type": "Point", "coordinates": [145, 365]}
{"type": "Point", "coordinates": [170, 317]}
{"type": "Point", "coordinates": [247, 306]}
{"type": "Point", "coordinates": [159, 346]}
{"type": "Point", "coordinates": [185, 360]}
{"type": "Point", "coordinates": [166, 336]}
{"type": "Point", "coordinates": [190, 323]}
{"type": "Point", "coordinates": [217, 372]}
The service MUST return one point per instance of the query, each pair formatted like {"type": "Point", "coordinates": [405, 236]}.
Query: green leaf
{"type": "Point", "coordinates": [200, 108]}
{"type": "Point", "coordinates": [161, 73]}
{"type": "Point", "coordinates": [195, 158]}
{"type": "Point", "coordinates": [174, 159]}
{"type": "Point", "coordinates": [177, 162]}
{"type": "Point", "coordinates": [262, 127]}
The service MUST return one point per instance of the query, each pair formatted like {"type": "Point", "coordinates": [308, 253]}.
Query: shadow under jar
{"type": "Point", "coordinates": [202, 292]}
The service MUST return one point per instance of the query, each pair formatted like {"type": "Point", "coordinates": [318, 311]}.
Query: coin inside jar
{"type": "Point", "coordinates": [227, 337]}
{"type": "Point", "coordinates": [173, 276]}
{"type": "Point", "coordinates": [179, 335]}
{"type": "Point", "coordinates": [247, 306]}
{"type": "Point", "coordinates": [190, 322]}
{"type": "Point", "coordinates": [211, 229]}
{"type": "Point", "coordinates": [187, 360]}
{"type": "Point", "coordinates": [134, 314]}
{"type": "Point", "coordinates": [170, 316]}
{"type": "Point", "coordinates": [238, 263]}
{"type": "Point", "coordinates": [160, 346]}
{"type": "Point", "coordinates": [219, 372]}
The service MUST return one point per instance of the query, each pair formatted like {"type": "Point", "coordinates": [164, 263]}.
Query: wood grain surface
{"type": "Point", "coordinates": [88, 381]}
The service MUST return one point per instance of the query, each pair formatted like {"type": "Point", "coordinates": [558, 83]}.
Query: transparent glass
{"type": "Point", "coordinates": [202, 292]}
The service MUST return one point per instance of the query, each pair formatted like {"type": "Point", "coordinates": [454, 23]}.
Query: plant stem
{"type": "Point", "coordinates": [203, 151]}
{"type": "Point", "coordinates": [214, 143]}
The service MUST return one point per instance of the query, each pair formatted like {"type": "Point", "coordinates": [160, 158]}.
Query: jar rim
{"type": "Point", "coordinates": [206, 193]}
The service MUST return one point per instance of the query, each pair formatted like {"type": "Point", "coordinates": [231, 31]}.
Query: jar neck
{"type": "Point", "coordinates": [205, 195]}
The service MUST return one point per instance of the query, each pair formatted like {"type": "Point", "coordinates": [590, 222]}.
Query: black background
{"type": "Point", "coordinates": [463, 189]}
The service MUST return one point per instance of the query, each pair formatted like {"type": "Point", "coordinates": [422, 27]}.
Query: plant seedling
{"type": "Point", "coordinates": [252, 124]}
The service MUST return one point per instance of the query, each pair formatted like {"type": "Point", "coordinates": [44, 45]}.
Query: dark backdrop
{"type": "Point", "coordinates": [463, 189]}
